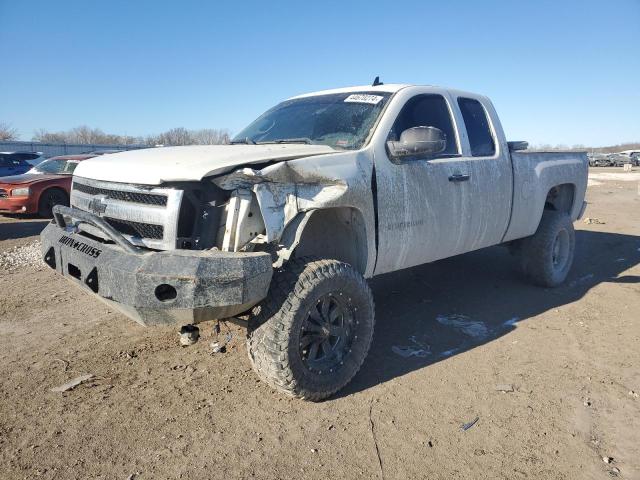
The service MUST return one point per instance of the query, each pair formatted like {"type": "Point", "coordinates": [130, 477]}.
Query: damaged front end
{"type": "Point", "coordinates": [265, 202]}
{"type": "Point", "coordinates": [194, 251]}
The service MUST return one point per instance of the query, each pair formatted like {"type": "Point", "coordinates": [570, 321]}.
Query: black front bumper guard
{"type": "Point", "coordinates": [60, 211]}
{"type": "Point", "coordinates": [154, 287]}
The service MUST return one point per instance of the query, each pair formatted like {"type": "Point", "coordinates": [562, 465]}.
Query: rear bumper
{"type": "Point", "coordinates": [18, 205]}
{"type": "Point", "coordinates": [155, 288]}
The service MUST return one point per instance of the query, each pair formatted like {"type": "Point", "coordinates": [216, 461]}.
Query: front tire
{"type": "Point", "coordinates": [50, 198]}
{"type": "Point", "coordinates": [314, 330]}
{"type": "Point", "coordinates": [547, 256]}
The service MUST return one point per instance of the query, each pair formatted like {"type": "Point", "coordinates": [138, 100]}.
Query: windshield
{"type": "Point", "coordinates": [56, 166]}
{"type": "Point", "coordinates": [340, 120]}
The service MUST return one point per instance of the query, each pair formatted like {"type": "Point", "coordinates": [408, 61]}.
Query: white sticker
{"type": "Point", "coordinates": [363, 98]}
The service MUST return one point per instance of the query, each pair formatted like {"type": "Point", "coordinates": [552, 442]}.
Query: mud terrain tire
{"type": "Point", "coordinates": [312, 333]}
{"type": "Point", "coordinates": [547, 256]}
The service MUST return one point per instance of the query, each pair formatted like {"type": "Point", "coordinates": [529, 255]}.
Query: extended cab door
{"type": "Point", "coordinates": [436, 207]}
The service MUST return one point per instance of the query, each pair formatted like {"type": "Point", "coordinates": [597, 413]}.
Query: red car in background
{"type": "Point", "coordinates": [42, 187]}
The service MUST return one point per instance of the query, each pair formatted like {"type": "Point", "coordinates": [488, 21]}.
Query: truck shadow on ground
{"type": "Point", "coordinates": [432, 312]}
{"type": "Point", "coordinates": [15, 230]}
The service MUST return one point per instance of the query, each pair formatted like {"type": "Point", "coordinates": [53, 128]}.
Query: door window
{"type": "Point", "coordinates": [428, 110]}
{"type": "Point", "coordinates": [477, 124]}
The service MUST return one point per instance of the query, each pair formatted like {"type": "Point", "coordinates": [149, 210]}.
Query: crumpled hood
{"type": "Point", "coordinates": [28, 178]}
{"type": "Point", "coordinates": [153, 166]}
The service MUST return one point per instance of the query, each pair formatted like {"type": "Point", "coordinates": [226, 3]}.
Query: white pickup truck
{"type": "Point", "coordinates": [318, 194]}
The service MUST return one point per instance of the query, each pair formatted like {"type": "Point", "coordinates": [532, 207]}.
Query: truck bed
{"type": "Point", "coordinates": [534, 175]}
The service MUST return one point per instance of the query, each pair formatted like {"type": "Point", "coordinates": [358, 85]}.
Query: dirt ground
{"type": "Point", "coordinates": [448, 335]}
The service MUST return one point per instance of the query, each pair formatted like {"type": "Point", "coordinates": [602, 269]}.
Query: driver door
{"type": "Point", "coordinates": [419, 209]}
{"type": "Point", "coordinates": [435, 207]}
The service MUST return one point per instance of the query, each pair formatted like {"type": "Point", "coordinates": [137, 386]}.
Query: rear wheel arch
{"type": "Point", "coordinates": [561, 198]}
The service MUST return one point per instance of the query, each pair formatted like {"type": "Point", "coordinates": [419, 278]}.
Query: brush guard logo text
{"type": "Point", "coordinates": [80, 246]}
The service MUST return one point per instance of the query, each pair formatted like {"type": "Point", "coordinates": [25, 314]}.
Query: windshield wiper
{"type": "Point", "coordinates": [289, 140]}
{"type": "Point", "coordinates": [246, 141]}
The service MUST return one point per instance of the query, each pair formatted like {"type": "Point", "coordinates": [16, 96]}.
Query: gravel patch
{"type": "Point", "coordinates": [21, 257]}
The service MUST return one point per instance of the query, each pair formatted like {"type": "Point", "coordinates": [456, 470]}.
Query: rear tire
{"type": "Point", "coordinates": [547, 256]}
{"type": "Point", "coordinates": [49, 198]}
{"type": "Point", "coordinates": [313, 331]}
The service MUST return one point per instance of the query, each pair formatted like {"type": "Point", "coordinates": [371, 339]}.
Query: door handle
{"type": "Point", "coordinates": [459, 177]}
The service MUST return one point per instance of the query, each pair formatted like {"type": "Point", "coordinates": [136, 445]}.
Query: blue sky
{"type": "Point", "coordinates": [558, 72]}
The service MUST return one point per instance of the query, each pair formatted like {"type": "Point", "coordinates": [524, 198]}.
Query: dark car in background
{"type": "Point", "coordinates": [613, 159]}
{"type": "Point", "coordinates": [16, 163]}
{"type": "Point", "coordinates": [599, 160]}
{"type": "Point", "coordinates": [618, 159]}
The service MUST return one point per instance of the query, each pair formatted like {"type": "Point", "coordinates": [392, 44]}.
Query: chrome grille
{"type": "Point", "coordinates": [136, 229]}
{"type": "Point", "coordinates": [146, 216]}
{"type": "Point", "coordinates": [134, 197]}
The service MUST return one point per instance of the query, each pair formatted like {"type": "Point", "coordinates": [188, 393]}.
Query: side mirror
{"type": "Point", "coordinates": [416, 141]}
{"type": "Point", "coordinates": [517, 146]}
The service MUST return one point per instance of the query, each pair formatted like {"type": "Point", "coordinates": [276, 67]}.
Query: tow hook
{"type": "Point", "coordinates": [189, 334]}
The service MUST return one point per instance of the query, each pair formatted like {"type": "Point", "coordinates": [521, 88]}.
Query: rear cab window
{"type": "Point", "coordinates": [478, 129]}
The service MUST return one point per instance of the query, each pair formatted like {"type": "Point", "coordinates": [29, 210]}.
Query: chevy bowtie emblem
{"type": "Point", "coordinates": [97, 205]}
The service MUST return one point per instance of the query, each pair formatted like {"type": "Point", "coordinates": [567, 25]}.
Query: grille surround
{"type": "Point", "coordinates": [121, 205]}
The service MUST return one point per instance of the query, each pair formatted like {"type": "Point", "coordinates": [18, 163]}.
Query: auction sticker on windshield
{"type": "Point", "coordinates": [363, 98]}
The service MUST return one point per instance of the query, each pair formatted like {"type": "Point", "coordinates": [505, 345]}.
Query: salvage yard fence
{"type": "Point", "coordinates": [54, 149]}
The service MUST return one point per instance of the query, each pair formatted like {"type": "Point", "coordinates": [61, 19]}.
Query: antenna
{"type": "Point", "coordinates": [377, 82]}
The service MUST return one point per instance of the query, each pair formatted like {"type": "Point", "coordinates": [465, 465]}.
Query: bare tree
{"type": "Point", "coordinates": [42, 135]}
{"type": "Point", "coordinates": [152, 140]}
{"type": "Point", "coordinates": [7, 132]}
{"type": "Point", "coordinates": [210, 136]}
{"type": "Point", "coordinates": [83, 135]}
{"type": "Point", "coordinates": [182, 136]}
{"type": "Point", "coordinates": [175, 136]}
{"type": "Point", "coordinates": [618, 148]}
